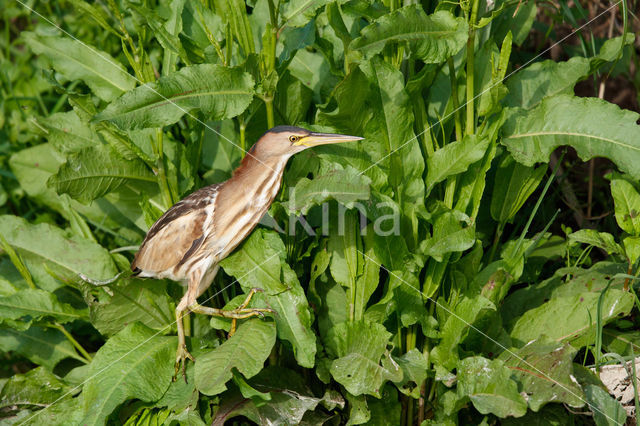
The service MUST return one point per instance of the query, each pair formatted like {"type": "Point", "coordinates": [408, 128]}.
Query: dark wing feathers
{"type": "Point", "coordinates": [192, 234]}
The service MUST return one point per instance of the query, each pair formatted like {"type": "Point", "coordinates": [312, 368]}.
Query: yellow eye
{"type": "Point", "coordinates": [293, 138]}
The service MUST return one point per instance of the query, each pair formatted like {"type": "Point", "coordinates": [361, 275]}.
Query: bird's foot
{"type": "Point", "coordinates": [181, 359]}
{"type": "Point", "coordinates": [241, 313]}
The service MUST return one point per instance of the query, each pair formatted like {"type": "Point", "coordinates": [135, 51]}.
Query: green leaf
{"type": "Point", "coordinates": [529, 86]}
{"type": "Point", "coordinates": [454, 158]}
{"type": "Point", "coordinates": [297, 13]}
{"type": "Point", "coordinates": [95, 171]}
{"type": "Point", "coordinates": [565, 319]}
{"type": "Point", "coordinates": [66, 257]}
{"type": "Point", "coordinates": [513, 185]}
{"type": "Point", "coordinates": [218, 92]}
{"type": "Point", "coordinates": [260, 261]}
{"type": "Point", "coordinates": [414, 367]}
{"type": "Point", "coordinates": [593, 127]}
{"type": "Point", "coordinates": [606, 410]}
{"type": "Point", "coordinates": [602, 240]}
{"type": "Point", "coordinates": [545, 373]}
{"type": "Point", "coordinates": [37, 304]}
{"type": "Point", "coordinates": [456, 327]}
{"type": "Point", "coordinates": [245, 351]}
{"type": "Point", "coordinates": [37, 387]}
{"type": "Point", "coordinates": [135, 363]}
{"type": "Point", "coordinates": [362, 365]}
{"type": "Point", "coordinates": [42, 346]}
{"type": "Point", "coordinates": [631, 248]}
{"type": "Point", "coordinates": [68, 133]}
{"type": "Point", "coordinates": [449, 235]}
{"type": "Point", "coordinates": [346, 186]}
{"type": "Point", "coordinates": [76, 60]}
{"type": "Point", "coordinates": [627, 205]}
{"type": "Point", "coordinates": [432, 38]}
{"type": "Point", "coordinates": [489, 386]}
{"type": "Point", "coordinates": [132, 300]}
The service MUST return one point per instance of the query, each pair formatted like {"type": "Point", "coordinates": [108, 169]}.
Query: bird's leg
{"type": "Point", "coordinates": [240, 312]}
{"type": "Point", "coordinates": [181, 354]}
{"type": "Point", "coordinates": [243, 305]}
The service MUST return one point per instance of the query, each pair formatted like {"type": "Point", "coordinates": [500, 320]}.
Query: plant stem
{"type": "Point", "coordinates": [496, 241]}
{"type": "Point", "coordinates": [162, 176]}
{"type": "Point", "coordinates": [454, 98]}
{"type": "Point", "coordinates": [268, 102]}
{"type": "Point", "coordinates": [471, 121]}
{"type": "Point", "coordinates": [74, 342]}
{"type": "Point", "coordinates": [17, 262]}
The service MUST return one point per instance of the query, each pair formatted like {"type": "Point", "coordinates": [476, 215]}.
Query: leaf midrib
{"type": "Point", "coordinates": [172, 100]}
{"type": "Point", "coordinates": [561, 133]}
{"type": "Point", "coordinates": [91, 70]}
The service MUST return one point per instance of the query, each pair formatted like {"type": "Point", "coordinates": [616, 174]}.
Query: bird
{"type": "Point", "coordinates": [187, 243]}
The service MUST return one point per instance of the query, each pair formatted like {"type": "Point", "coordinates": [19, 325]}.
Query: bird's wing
{"type": "Point", "coordinates": [177, 234]}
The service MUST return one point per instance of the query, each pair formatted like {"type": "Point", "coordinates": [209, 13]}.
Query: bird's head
{"type": "Point", "coordinates": [285, 141]}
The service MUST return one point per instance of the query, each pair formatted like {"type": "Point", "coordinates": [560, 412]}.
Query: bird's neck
{"type": "Point", "coordinates": [244, 198]}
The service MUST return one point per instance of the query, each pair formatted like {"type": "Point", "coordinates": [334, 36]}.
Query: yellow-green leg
{"type": "Point", "coordinates": [240, 312]}
{"type": "Point", "coordinates": [181, 354]}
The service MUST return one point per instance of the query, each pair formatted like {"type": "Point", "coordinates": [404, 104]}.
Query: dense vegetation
{"type": "Point", "coordinates": [509, 281]}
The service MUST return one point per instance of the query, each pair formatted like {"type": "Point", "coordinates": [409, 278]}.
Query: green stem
{"type": "Point", "coordinates": [454, 99]}
{"type": "Point", "coordinates": [162, 175]}
{"type": "Point", "coordinates": [243, 136]}
{"type": "Point", "coordinates": [496, 241]}
{"type": "Point", "coordinates": [74, 342]}
{"type": "Point", "coordinates": [268, 102]}
{"type": "Point", "coordinates": [17, 262]}
{"type": "Point", "coordinates": [471, 121]}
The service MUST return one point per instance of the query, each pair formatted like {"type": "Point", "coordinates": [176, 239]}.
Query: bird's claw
{"type": "Point", "coordinates": [181, 359]}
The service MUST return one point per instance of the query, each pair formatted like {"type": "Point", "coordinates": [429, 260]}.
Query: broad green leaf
{"type": "Point", "coordinates": [42, 346]}
{"type": "Point", "coordinates": [65, 256]}
{"type": "Point", "coordinates": [37, 387]}
{"type": "Point", "coordinates": [346, 186]}
{"type": "Point", "coordinates": [432, 38]}
{"type": "Point", "coordinates": [454, 158]}
{"type": "Point", "coordinates": [34, 166]}
{"type": "Point", "coordinates": [76, 60]}
{"type": "Point", "coordinates": [593, 127]}
{"type": "Point", "coordinates": [261, 262]}
{"type": "Point", "coordinates": [607, 411]}
{"type": "Point", "coordinates": [567, 282]}
{"type": "Point", "coordinates": [217, 91]}
{"type": "Point", "coordinates": [368, 281]}
{"type": "Point", "coordinates": [218, 155]}
{"type": "Point", "coordinates": [135, 363]}
{"type": "Point", "coordinates": [362, 364]}
{"type": "Point", "coordinates": [602, 240]}
{"type": "Point", "coordinates": [565, 319]}
{"type": "Point", "coordinates": [414, 367]}
{"type": "Point", "coordinates": [37, 304]}
{"type": "Point", "coordinates": [297, 13]}
{"type": "Point", "coordinates": [95, 171]}
{"type": "Point", "coordinates": [489, 386]}
{"type": "Point", "coordinates": [622, 343]}
{"type": "Point", "coordinates": [456, 327]}
{"type": "Point", "coordinates": [631, 246]}
{"type": "Point", "coordinates": [246, 351]}
{"type": "Point", "coordinates": [131, 300]}
{"type": "Point", "coordinates": [544, 371]}
{"type": "Point", "coordinates": [529, 86]}
{"type": "Point", "coordinates": [345, 246]}
{"type": "Point", "coordinates": [64, 412]}
{"type": "Point", "coordinates": [68, 133]}
{"type": "Point", "coordinates": [391, 130]}
{"type": "Point", "coordinates": [513, 185]}
{"type": "Point", "coordinates": [627, 206]}
{"type": "Point", "coordinates": [449, 235]}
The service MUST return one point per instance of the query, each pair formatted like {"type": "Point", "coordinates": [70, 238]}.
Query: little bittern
{"type": "Point", "coordinates": [190, 239]}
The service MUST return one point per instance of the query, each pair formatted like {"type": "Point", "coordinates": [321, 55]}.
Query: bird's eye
{"type": "Point", "coordinates": [293, 138]}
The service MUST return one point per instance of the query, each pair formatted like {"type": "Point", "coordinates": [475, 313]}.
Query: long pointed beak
{"type": "Point", "coordinates": [316, 139]}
